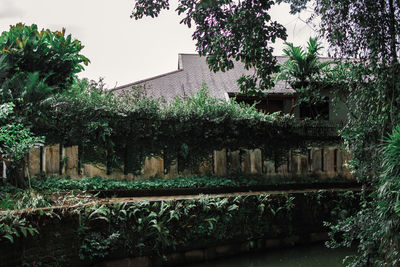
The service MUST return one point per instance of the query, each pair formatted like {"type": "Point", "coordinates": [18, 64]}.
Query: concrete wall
{"type": "Point", "coordinates": [53, 160]}
{"type": "Point", "coordinates": [318, 162]}
{"type": "Point", "coordinates": [58, 244]}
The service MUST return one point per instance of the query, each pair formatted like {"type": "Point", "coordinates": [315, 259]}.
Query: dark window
{"type": "Point", "coordinates": [273, 106]}
{"type": "Point", "coordinates": [315, 111]}
{"type": "Point", "coordinates": [264, 105]}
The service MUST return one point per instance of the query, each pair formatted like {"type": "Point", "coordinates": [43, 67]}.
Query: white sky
{"type": "Point", "coordinates": [121, 49]}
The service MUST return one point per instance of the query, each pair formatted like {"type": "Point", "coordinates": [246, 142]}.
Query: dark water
{"type": "Point", "coordinates": [307, 256]}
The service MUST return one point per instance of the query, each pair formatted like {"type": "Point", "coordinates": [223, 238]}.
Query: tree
{"type": "Point", "coordinates": [34, 66]}
{"type": "Point", "coordinates": [305, 72]}
{"type": "Point", "coordinates": [367, 33]}
{"type": "Point", "coordinates": [53, 55]}
{"type": "Point", "coordinates": [303, 67]}
{"type": "Point", "coordinates": [229, 30]}
{"type": "Point", "coordinates": [37, 65]}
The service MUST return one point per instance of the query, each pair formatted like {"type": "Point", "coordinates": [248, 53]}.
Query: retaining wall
{"type": "Point", "coordinates": [59, 242]}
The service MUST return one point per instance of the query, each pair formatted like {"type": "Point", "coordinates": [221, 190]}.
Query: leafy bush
{"type": "Point", "coordinates": [53, 55]}
{"type": "Point", "coordinates": [14, 226]}
{"type": "Point", "coordinates": [98, 183]}
{"type": "Point", "coordinates": [15, 139]}
{"type": "Point", "coordinates": [376, 226]}
{"type": "Point", "coordinates": [32, 200]}
{"type": "Point", "coordinates": [149, 228]}
{"type": "Point", "coordinates": [15, 142]}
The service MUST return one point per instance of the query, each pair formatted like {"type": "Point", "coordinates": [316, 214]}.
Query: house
{"type": "Point", "coordinates": [193, 71]}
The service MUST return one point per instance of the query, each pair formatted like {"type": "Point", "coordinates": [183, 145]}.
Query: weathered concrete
{"type": "Point", "coordinates": [220, 166]}
{"type": "Point", "coordinates": [127, 262]}
{"type": "Point", "coordinates": [92, 170]}
{"type": "Point", "coordinates": [52, 159]}
{"type": "Point", "coordinates": [246, 161]}
{"type": "Point", "coordinates": [295, 164]}
{"type": "Point", "coordinates": [255, 161]}
{"type": "Point", "coordinates": [70, 159]}
{"type": "Point", "coordinates": [316, 161]}
{"type": "Point", "coordinates": [339, 155]}
{"type": "Point", "coordinates": [283, 170]}
{"type": "Point", "coordinates": [173, 170]}
{"type": "Point", "coordinates": [329, 155]}
{"type": "Point", "coordinates": [205, 167]}
{"type": "Point", "coordinates": [194, 255]}
{"type": "Point", "coordinates": [273, 243]}
{"type": "Point", "coordinates": [234, 161]}
{"type": "Point", "coordinates": [304, 169]}
{"type": "Point", "coordinates": [153, 166]}
{"type": "Point", "coordinates": [319, 162]}
{"type": "Point", "coordinates": [34, 161]}
{"type": "Point", "coordinates": [291, 241]}
{"type": "Point", "coordinates": [269, 167]}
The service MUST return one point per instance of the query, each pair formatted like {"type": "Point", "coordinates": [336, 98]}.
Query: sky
{"type": "Point", "coordinates": [123, 50]}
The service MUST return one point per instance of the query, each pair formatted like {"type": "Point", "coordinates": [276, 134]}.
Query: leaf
{"type": "Point", "coordinates": [233, 207]}
{"type": "Point", "coordinates": [9, 237]}
{"type": "Point", "coordinates": [24, 231]}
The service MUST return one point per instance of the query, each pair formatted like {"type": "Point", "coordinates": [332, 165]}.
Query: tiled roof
{"type": "Point", "coordinates": [192, 72]}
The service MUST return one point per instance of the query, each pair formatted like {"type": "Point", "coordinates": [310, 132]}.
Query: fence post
{"type": "Point", "coordinates": [34, 161]}
{"type": "Point", "coordinates": [4, 169]}
{"type": "Point", "coordinates": [220, 162]}
{"type": "Point", "coordinates": [52, 159]}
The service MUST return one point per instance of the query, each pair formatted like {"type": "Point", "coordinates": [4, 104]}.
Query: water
{"type": "Point", "coordinates": [306, 256]}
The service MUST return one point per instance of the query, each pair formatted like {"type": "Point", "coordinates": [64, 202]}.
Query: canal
{"type": "Point", "coordinates": [306, 256]}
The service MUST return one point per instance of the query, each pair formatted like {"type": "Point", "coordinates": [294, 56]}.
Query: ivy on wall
{"type": "Point", "coordinates": [123, 229]}
{"type": "Point", "coordinates": [123, 129]}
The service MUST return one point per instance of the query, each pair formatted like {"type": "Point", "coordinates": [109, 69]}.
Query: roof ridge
{"type": "Point", "coordinates": [145, 80]}
{"type": "Point", "coordinates": [189, 54]}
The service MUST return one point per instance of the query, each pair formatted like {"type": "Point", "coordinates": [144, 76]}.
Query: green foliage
{"type": "Point", "coordinates": [53, 55]}
{"type": "Point", "coordinates": [306, 73]}
{"type": "Point", "coordinates": [368, 30]}
{"type": "Point", "coordinates": [302, 67]}
{"type": "Point", "coordinates": [14, 226]}
{"type": "Point", "coordinates": [6, 201]}
{"type": "Point", "coordinates": [367, 33]}
{"type": "Point", "coordinates": [95, 246]}
{"type": "Point", "coordinates": [189, 128]}
{"type": "Point", "coordinates": [54, 184]}
{"type": "Point", "coordinates": [376, 224]}
{"type": "Point", "coordinates": [15, 139]}
{"type": "Point", "coordinates": [130, 229]}
{"type": "Point", "coordinates": [36, 65]}
{"type": "Point", "coordinates": [149, 228]}
{"type": "Point", "coordinates": [32, 200]}
{"type": "Point", "coordinates": [228, 31]}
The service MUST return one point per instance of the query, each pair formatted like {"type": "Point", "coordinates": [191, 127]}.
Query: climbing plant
{"type": "Point", "coordinates": [189, 128]}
